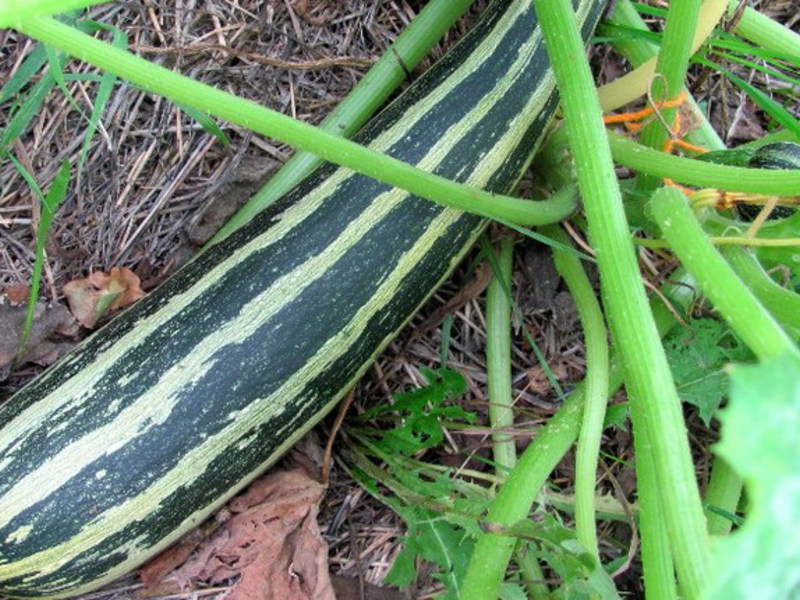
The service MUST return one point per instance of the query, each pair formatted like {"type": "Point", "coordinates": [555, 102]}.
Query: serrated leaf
{"type": "Point", "coordinates": [760, 439]}
{"type": "Point", "coordinates": [697, 356]}
{"type": "Point", "coordinates": [582, 575]}
{"type": "Point", "coordinates": [431, 537]}
{"type": "Point", "coordinates": [512, 591]}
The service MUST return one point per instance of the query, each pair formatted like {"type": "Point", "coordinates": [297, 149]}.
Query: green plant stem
{"type": "Point", "coordinates": [724, 490]}
{"type": "Point", "coordinates": [764, 32]}
{"type": "Point", "coordinates": [531, 570]}
{"type": "Point", "coordinates": [498, 358]}
{"type": "Point", "coordinates": [515, 497]}
{"type": "Point", "coordinates": [405, 53]}
{"type": "Point", "coordinates": [731, 297]}
{"type": "Point", "coordinates": [655, 407]}
{"type": "Point", "coordinates": [637, 51]}
{"type": "Point", "coordinates": [631, 86]}
{"type": "Point", "coordinates": [783, 304]}
{"type": "Point", "coordinates": [673, 60]}
{"type": "Point", "coordinates": [14, 13]}
{"type": "Point", "coordinates": [332, 148]}
{"type": "Point", "coordinates": [723, 496]}
{"type": "Point", "coordinates": [703, 174]}
{"type": "Point", "coordinates": [596, 382]}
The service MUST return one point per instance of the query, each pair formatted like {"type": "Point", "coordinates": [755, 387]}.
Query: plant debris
{"type": "Point", "coordinates": [51, 323]}
{"type": "Point", "coordinates": [270, 541]}
{"type": "Point", "coordinates": [91, 298]}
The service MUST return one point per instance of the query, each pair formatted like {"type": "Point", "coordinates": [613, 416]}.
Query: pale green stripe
{"type": "Point", "coordinates": [74, 392]}
{"type": "Point", "coordinates": [194, 463]}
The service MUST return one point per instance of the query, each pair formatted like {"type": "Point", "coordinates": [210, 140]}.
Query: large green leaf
{"type": "Point", "coordinates": [760, 439]}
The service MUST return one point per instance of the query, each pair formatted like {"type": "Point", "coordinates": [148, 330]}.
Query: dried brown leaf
{"type": "Point", "coordinates": [48, 321]}
{"type": "Point", "coordinates": [17, 294]}
{"type": "Point", "coordinates": [90, 298]}
{"type": "Point", "coordinates": [271, 541]}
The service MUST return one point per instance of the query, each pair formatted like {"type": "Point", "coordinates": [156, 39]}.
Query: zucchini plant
{"type": "Point", "coordinates": [155, 421]}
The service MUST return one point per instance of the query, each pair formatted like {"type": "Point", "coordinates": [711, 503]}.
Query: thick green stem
{"type": "Point", "coordinates": [723, 492]}
{"type": "Point", "coordinates": [498, 359]}
{"type": "Point", "coordinates": [731, 297]}
{"type": "Point", "coordinates": [516, 495]}
{"type": "Point", "coordinates": [13, 13]}
{"type": "Point", "coordinates": [628, 88]}
{"type": "Point", "coordinates": [783, 304]}
{"type": "Point", "coordinates": [673, 60]}
{"type": "Point", "coordinates": [703, 174]}
{"type": "Point", "coordinates": [410, 47]}
{"type": "Point", "coordinates": [764, 32]}
{"type": "Point", "coordinates": [655, 406]}
{"type": "Point", "coordinates": [301, 135]}
{"type": "Point", "coordinates": [596, 382]}
{"type": "Point", "coordinates": [637, 51]}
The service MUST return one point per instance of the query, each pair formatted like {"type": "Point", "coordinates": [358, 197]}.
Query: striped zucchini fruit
{"type": "Point", "coordinates": [161, 416]}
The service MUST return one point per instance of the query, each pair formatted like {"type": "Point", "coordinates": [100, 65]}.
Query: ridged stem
{"type": "Point", "coordinates": [703, 174]}
{"type": "Point", "coordinates": [655, 407]}
{"type": "Point", "coordinates": [637, 51]}
{"type": "Point", "coordinates": [715, 277]}
{"type": "Point", "coordinates": [405, 53]}
{"type": "Point", "coordinates": [332, 148]}
{"type": "Point", "coordinates": [516, 495]}
{"type": "Point", "coordinates": [671, 65]}
{"type": "Point", "coordinates": [596, 388]}
{"type": "Point", "coordinates": [764, 32]}
{"type": "Point", "coordinates": [628, 88]}
{"type": "Point", "coordinates": [498, 358]}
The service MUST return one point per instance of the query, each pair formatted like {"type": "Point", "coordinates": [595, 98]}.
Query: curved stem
{"type": "Point", "coordinates": [301, 135]}
{"type": "Point", "coordinates": [14, 14]}
{"type": "Point", "coordinates": [703, 174]}
{"type": "Point", "coordinates": [516, 495]}
{"type": "Point", "coordinates": [735, 302]}
{"type": "Point", "coordinates": [782, 303]}
{"type": "Point", "coordinates": [655, 406]}
{"type": "Point", "coordinates": [596, 382]}
{"type": "Point", "coordinates": [405, 53]}
{"type": "Point", "coordinates": [764, 32]}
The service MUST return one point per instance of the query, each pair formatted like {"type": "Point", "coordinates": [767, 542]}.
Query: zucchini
{"type": "Point", "coordinates": [156, 420]}
{"type": "Point", "coordinates": [777, 155]}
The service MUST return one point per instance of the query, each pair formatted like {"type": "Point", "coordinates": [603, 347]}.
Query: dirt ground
{"type": "Point", "coordinates": [149, 195]}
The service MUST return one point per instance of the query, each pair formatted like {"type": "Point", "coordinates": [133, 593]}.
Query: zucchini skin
{"type": "Point", "coordinates": [156, 420]}
{"type": "Point", "coordinates": [777, 155]}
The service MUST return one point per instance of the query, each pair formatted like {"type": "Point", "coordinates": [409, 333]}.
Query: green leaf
{"type": "Point", "coordinates": [207, 123]}
{"type": "Point", "coordinates": [421, 412]}
{"type": "Point", "coordinates": [760, 439]}
{"type": "Point", "coordinates": [582, 575]}
{"type": "Point", "coordinates": [26, 72]}
{"type": "Point", "coordinates": [27, 109]}
{"type": "Point", "coordinates": [512, 591]}
{"type": "Point", "coordinates": [437, 541]}
{"type": "Point", "coordinates": [697, 355]}
{"type": "Point", "coordinates": [617, 416]}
